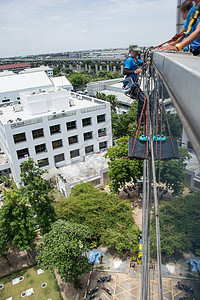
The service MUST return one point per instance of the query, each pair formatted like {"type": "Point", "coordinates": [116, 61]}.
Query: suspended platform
{"type": "Point", "coordinates": [164, 150]}
{"type": "Point", "coordinates": [180, 73]}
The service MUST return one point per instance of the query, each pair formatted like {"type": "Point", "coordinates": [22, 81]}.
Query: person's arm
{"type": "Point", "coordinates": [191, 38]}
{"type": "Point", "coordinates": [130, 72]}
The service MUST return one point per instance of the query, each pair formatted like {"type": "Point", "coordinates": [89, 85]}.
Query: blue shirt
{"type": "Point", "coordinates": [195, 44]}
{"type": "Point", "coordinates": [132, 64]}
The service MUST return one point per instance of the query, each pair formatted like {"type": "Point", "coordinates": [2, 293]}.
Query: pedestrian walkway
{"type": "Point", "coordinates": [122, 286]}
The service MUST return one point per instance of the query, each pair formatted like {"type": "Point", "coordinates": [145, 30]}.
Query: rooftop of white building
{"type": "Point", "coordinates": [24, 81]}
{"type": "Point", "coordinates": [61, 81]}
{"type": "Point", "coordinates": [6, 73]}
{"type": "Point", "coordinates": [83, 171]}
{"type": "Point", "coordinates": [17, 113]}
{"type": "Point", "coordinates": [37, 69]}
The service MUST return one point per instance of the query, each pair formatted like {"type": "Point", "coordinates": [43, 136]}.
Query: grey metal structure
{"type": "Point", "coordinates": [180, 73]}
{"type": "Point", "coordinates": [179, 20]}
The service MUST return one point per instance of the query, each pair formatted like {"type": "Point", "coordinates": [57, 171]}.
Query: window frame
{"type": "Point", "coordinates": [22, 155]}
{"type": "Point", "coordinates": [71, 128]}
{"type": "Point", "coordinates": [55, 144]}
{"type": "Point", "coordinates": [37, 130]}
{"type": "Point", "coordinates": [75, 137]}
{"type": "Point", "coordinates": [99, 118]}
{"type": "Point", "coordinates": [40, 148]}
{"type": "Point", "coordinates": [53, 129]}
{"type": "Point", "coordinates": [87, 124]}
{"type": "Point", "coordinates": [73, 151]}
{"type": "Point", "coordinates": [19, 134]}
{"type": "Point", "coordinates": [87, 136]}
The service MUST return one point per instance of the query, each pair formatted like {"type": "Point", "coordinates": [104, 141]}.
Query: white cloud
{"type": "Point", "coordinates": [42, 26]}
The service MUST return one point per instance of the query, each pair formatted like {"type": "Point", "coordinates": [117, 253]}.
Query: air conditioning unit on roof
{"type": "Point", "coordinates": [17, 107]}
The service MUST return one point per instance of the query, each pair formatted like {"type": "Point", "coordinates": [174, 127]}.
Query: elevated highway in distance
{"type": "Point", "coordinates": [64, 59]}
{"type": "Point", "coordinates": [180, 73]}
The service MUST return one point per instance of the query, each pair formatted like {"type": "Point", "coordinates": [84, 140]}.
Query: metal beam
{"type": "Point", "coordinates": [180, 73]}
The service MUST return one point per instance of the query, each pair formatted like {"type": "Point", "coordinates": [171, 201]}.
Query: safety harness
{"type": "Point", "coordinates": [194, 18]}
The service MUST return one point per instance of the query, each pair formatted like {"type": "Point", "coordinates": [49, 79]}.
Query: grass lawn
{"type": "Point", "coordinates": [31, 280]}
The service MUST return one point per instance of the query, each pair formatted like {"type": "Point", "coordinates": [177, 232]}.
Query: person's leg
{"type": "Point", "coordinates": [139, 95]}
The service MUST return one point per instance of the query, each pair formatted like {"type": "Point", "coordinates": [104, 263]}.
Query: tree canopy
{"type": "Point", "coordinates": [107, 215]}
{"type": "Point", "coordinates": [16, 222]}
{"type": "Point", "coordinates": [112, 99]}
{"type": "Point", "coordinates": [64, 248]}
{"type": "Point", "coordinates": [172, 172]}
{"type": "Point", "coordinates": [121, 169]}
{"type": "Point", "coordinates": [179, 225]}
{"type": "Point", "coordinates": [39, 194]}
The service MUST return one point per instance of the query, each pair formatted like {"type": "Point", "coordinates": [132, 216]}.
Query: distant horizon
{"type": "Point", "coordinates": [70, 51]}
{"type": "Point", "coordinates": [55, 26]}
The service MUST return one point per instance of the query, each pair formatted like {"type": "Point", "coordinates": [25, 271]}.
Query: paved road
{"type": "Point", "coordinates": [125, 287]}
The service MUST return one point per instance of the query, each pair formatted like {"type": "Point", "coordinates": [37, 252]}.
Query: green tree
{"type": "Point", "coordinates": [107, 215]}
{"type": "Point", "coordinates": [39, 194]}
{"type": "Point", "coordinates": [101, 96]}
{"type": "Point", "coordinates": [172, 172]}
{"type": "Point", "coordinates": [121, 169]}
{"type": "Point", "coordinates": [126, 123]}
{"type": "Point", "coordinates": [179, 225]}
{"type": "Point", "coordinates": [174, 123]}
{"type": "Point", "coordinates": [64, 249]}
{"type": "Point", "coordinates": [78, 80]}
{"type": "Point", "coordinates": [4, 243]}
{"type": "Point", "coordinates": [16, 222]}
{"type": "Point", "coordinates": [112, 99]}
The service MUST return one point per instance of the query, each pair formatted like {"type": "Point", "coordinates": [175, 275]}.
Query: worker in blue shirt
{"type": "Point", "coordinates": [132, 70]}
{"type": "Point", "coordinates": [192, 36]}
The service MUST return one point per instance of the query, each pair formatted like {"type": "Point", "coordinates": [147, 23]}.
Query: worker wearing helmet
{"type": "Point", "coordinates": [132, 70]}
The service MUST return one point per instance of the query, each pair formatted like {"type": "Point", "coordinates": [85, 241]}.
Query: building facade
{"type": "Point", "coordinates": [15, 67]}
{"type": "Point", "coordinates": [55, 128]}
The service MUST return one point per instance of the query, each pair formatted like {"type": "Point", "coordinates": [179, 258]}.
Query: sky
{"type": "Point", "coordinates": [48, 26]}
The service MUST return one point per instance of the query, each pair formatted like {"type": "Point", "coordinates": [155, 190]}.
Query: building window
{"type": "Point", "coordinates": [87, 135]}
{"type": "Point", "coordinates": [55, 129]}
{"type": "Point", "coordinates": [43, 162]}
{"type": "Point", "coordinates": [59, 157]}
{"type": "Point", "coordinates": [101, 118]}
{"type": "Point", "coordinates": [20, 137]}
{"type": "Point", "coordinates": [102, 145]}
{"type": "Point", "coordinates": [57, 144]}
{"type": "Point", "coordinates": [96, 181]}
{"type": "Point", "coordinates": [40, 148]}
{"type": "Point", "coordinates": [73, 139]}
{"type": "Point", "coordinates": [87, 122]}
{"type": "Point", "coordinates": [37, 133]}
{"type": "Point", "coordinates": [101, 132]}
{"type": "Point", "coordinates": [74, 153]}
{"type": "Point", "coordinates": [89, 149]}
{"type": "Point", "coordinates": [22, 153]}
{"type": "Point", "coordinates": [71, 125]}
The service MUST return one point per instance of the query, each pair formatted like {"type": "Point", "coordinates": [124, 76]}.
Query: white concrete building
{"type": "Point", "coordinates": [46, 69]}
{"type": "Point", "coordinates": [62, 82]}
{"type": "Point", "coordinates": [93, 169]}
{"type": "Point", "coordinates": [12, 85]}
{"type": "Point", "coordinates": [55, 128]}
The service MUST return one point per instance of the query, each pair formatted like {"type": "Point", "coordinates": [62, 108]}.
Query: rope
{"type": "Point", "coordinates": [173, 39]}
{"type": "Point", "coordinates": [147, 132]}
{"type": "Point", "coordinates": [139, 123]}
{"type": "Point", "coordinates": [169, 130]}
{"type": "Point", "coordinates": [157, 132]}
